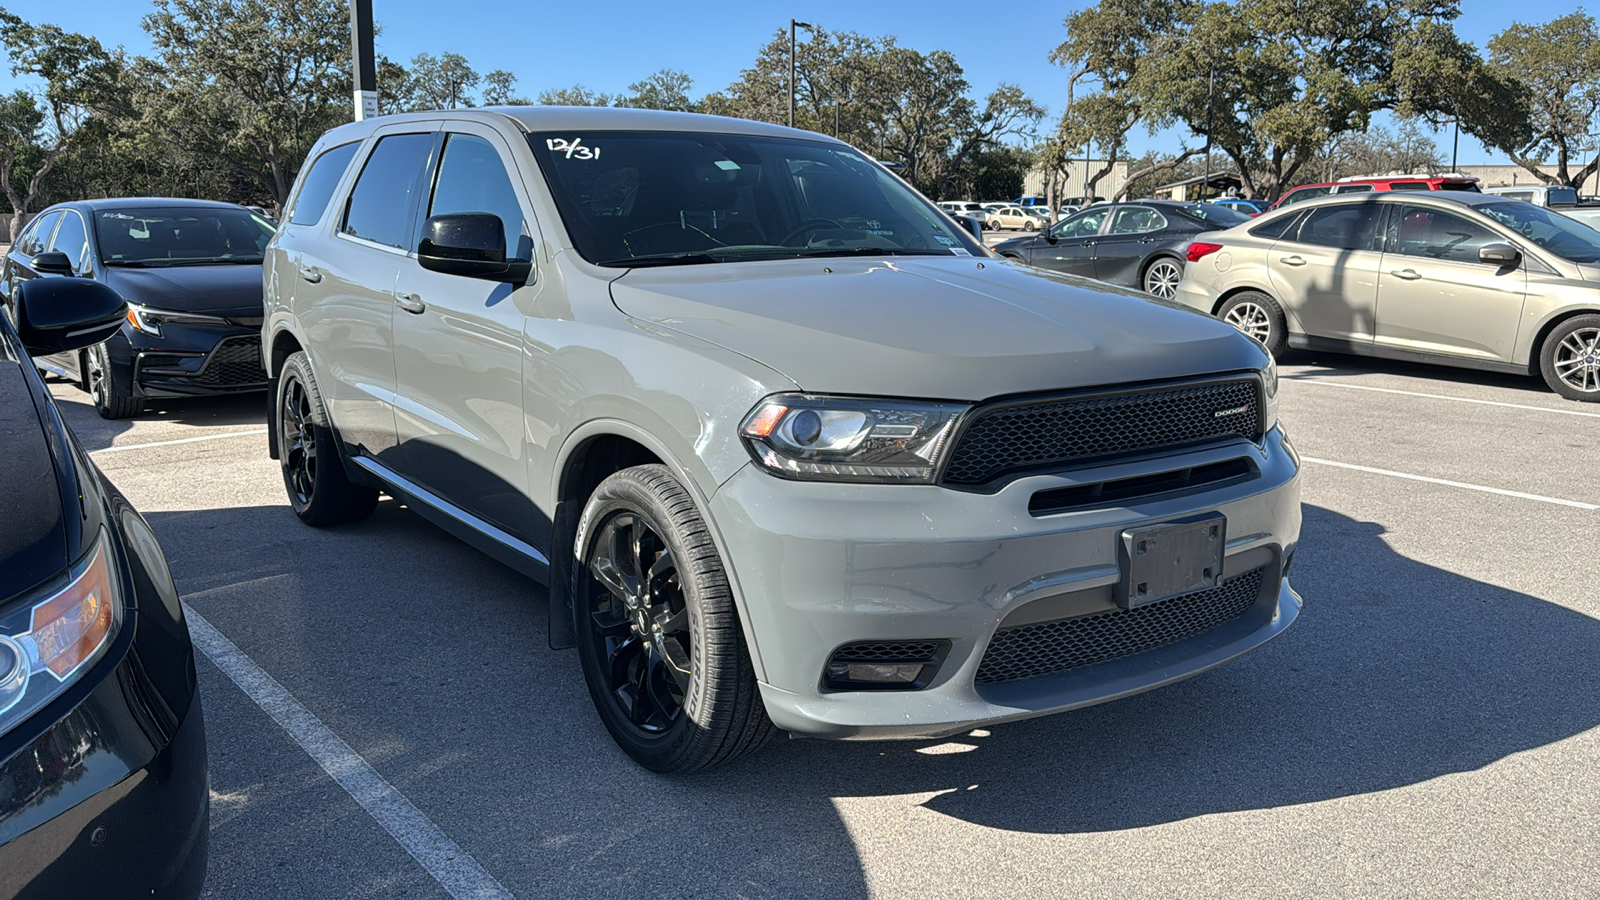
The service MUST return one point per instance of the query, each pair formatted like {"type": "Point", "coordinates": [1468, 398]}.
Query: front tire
{"type": "Point", "coordinates": [112, 398]}
{"type": "Point", "coordinates": [658, 636]}
{"type": "Point", "coordinates": [1570, 359]}
{"type": "Point", "coordinates": [1162, 276]}
{"type": "Point", "coordinates": [320, 492]}
{"type": "Point", "coordinates": [1260, 317]}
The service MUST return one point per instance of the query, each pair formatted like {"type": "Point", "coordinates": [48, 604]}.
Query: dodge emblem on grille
{"type": "Point", "coordinates": [1224, 413]}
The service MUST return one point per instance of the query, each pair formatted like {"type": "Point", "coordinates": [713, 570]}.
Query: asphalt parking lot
{"type": "Point", "coordinates": [1427, 729]}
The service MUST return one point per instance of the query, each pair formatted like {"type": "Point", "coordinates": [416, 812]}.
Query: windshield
{"type": "Point", "coordinates": [1214, 213]}
{"type": "Point", "coordinates": [177, 236]}
{"type": "Point", "coordinates": [682, 198]}
{"type": "Point", "coordinates": [1567, 238]}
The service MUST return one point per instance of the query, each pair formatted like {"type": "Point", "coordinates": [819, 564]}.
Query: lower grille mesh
{"type": "Point", "coordinates": [1044, 648]}
{"type": "Point", "coordinates": [236, 361]}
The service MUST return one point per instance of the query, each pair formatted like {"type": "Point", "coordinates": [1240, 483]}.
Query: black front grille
{"type": "Point", "coordinates": [888, 651]}
{"type": "Point", "coordinates": [1044, 648]}
{"type": "Point", "coordinates": [235, 362]}
{"type": "Point", "coordinates": [1023, 436]}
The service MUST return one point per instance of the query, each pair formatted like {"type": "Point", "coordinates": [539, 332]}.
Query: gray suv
{"type": "Point", "coordinates": [789, 448]}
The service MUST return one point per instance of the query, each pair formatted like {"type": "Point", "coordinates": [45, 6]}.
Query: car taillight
{"type": "Point", "coordinates": [1200, 249]}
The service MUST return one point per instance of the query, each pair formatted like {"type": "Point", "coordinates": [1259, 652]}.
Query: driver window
{"type": "Point", "coordinates": [72, 240]}
{"type": "Point", "coordinates": [1434, 234]}
{"type": "Point", "coordinates": [1137, 220]}
{"type": "Point", "coordinates": [1083, 225]}
{"type": "Point", "coordinates": [472, 178]}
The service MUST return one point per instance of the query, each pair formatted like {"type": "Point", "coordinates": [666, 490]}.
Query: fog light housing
{"type": "Point", "coordinates": [884, 665]}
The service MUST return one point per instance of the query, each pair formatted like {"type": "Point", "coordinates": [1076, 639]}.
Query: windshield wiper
{"type": "Point", "coordinates": [809, 252]}
{"type": "Point", "coordinates": [660, 259]}
{"type": "Point", "coordinates": [128, 263]}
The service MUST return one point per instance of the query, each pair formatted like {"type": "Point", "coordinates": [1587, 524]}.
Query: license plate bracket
{"type": "Point", "coordinates": [1172, 558]}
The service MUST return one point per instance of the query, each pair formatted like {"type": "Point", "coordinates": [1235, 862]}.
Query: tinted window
{"type": "Point", "coordinates": [1409, 186]}
{"type": "Point", "coordinates": [1518, 195]}
{"type": "Point", "coordinates": [1563, 236]}
{"type": "Point", "coordinates": [180, 236]}
{"type": "Point", "coordinates": [316, 189]}
{"type": "Point", "coordinates": [1275, 228]}
{"type": "Point", "coordinates": [1422, 231]}
{"type": "Point", "coordinates": [380, 204]}
{"type": "Point", "coordinates": [687, 198]}
{"type": "Point", "coordinates": [472, 178]}
{"type": "Point", "coordinates": [1352, 189]}
{"type": "Point", "coordinates": [1559, 196]}
{"type": "Point", "coordinates": [32, 241]}
{"type": "Point", "coordinates": [1460, 186]}
{"type": "Point", "coordinates": [1219, 216]}
{"type": "Point", "coordinates": [1137, 220]}
{"type": "Point", "coordinates": [1351, 227]}
{"type": "Point", "coordinates": [1083, 224]}
{"type": "Point", "coordinates": [1296, 196]}
{"type": "Point", "coordinates": [71, 239]}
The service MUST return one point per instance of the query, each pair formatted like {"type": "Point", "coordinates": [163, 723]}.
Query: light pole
{"type": "Point", "coordinates": [363, 60]}
{"type": "Point", "coordinates": [1455, 146]}
{"type": "Point", "coordinates": [792, 26]}
{"type": "Point", "coordinates": [1211, 84]}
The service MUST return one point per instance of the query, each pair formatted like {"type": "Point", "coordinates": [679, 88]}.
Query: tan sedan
{"type": "Point", "coordinates": [1460, 279]}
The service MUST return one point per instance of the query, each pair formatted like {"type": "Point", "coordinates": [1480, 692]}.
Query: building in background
{"type": "Point", "coordinates": [1223, 184]}
{"type": "Point", "coordinates": [1071, 180]}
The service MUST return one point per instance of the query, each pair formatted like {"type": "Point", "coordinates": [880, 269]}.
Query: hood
{"type": "Point", "coordinates": [229, 291]}
{"type": "Point", "coordinates": [33, 539]}
{"type": "Point", "coordinates": [933, 327]}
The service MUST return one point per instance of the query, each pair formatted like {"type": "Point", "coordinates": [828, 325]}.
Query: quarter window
{"type": "Point", "coordinates": [1352, 227]}
{"type": "Point", "coordinates": [316, 189]}
{"type": "Point", "coordinates": [1137, 220]}
{"type": "Point", "coordinates": [71, 239]}
{"type": "Point", "coordinates": [380, 204]}
{"type": "Point", "coordinates": [472, 178]}
{"type": "Point", "coordinates": [1435, 234]}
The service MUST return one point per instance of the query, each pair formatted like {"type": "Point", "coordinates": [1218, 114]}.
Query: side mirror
{"type": "Point", "coordinates": [58, 314]}
{"type": "Point", "coordinates": [52, 262]}
{"type": "Point", "coordinates": [1498, 254]}
{"type": "Point", "coordinates": [472, 245]}
{"type": "Point", "coordinates": [972, 225]}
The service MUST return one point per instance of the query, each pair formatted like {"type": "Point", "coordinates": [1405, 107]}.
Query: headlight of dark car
{"type": "Point", "coordinates": [813, 438]}
{"type": "Point", "coordinates": [150, 320]}
{"type": "Point", "coordinates": [49, 640]}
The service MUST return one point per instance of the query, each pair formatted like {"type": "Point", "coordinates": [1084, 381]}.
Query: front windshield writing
{"type": "Point", "coordinates": [631, 198]}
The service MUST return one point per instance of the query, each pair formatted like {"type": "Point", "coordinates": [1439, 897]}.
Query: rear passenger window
{"type": "Point", "coordinates": [316, 189]}
{"type": "Point", "coordinates": [1304, 194]}
{"type": "Point", "coordinates": [380, 204]}
{"type": "Point", "coordinates": [1409, 186]}
{"type": "Point", "coordinates": [472, 178]}
{"type": "Point", "coordinates": [1351, 227]}
{"type": "Point", "coordinates": [1353, 189]}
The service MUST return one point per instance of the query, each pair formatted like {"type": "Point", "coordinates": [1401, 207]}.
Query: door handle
{"type": "Point", "coordinates": [1407, 274]}
{"type": "Point", "coordinates": [310, 273]}
{"type": "Point", "coordinates": [1088, 243]}
{"type": "Point", "coordinates": [1147, 240]}
{"type": "Point", "coordinates": [1293, 261]}
{"type": "Point", "coordinates": [411, 303]}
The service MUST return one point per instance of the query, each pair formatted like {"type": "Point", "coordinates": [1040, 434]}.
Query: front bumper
{"type": "Point", "coordinates": [193, 361]}
{"type": "Point", "coordinates": [821, 565]}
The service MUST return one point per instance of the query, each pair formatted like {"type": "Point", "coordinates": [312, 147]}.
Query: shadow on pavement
{"type": "Point", "coordinates": [95, 433]}
{"type": "Point", "coordinates": [430, 660]}
{"type": "Point", "coordinates": [1337, 365]}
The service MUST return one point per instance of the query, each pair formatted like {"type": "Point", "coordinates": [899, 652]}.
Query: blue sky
{"type": "Point", "coordinates": [608, 45]}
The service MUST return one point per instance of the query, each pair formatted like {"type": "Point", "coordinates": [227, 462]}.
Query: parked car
{"type": "Point", "coordinates": [190, 271]}
{"type": "Point", "coordinates": [1549, 196]}
{"type": "Point", "coordinates": [103, 787]}
{"type": "Point", "coordinates": [1029, 201]}
{"type": "Point", "coordinates": [1041, 213]}
{"type": "Point", "coordinates": [1137, 245]}
{"type": "Point", "coordinates": [1066, 209]}
{"type": "Point", "coordinates": [672, 364]}
{"type": "Point", "coordinates": [1251, 208]}
{"type": "Point", "coordinates": [1385, 183]}
{"type": "Point", "coordinates": [1014, 218]}
{"type": "Point", "coordinates": [1463, 279]}
{"type": "Point", "coordinates": [966, 208]}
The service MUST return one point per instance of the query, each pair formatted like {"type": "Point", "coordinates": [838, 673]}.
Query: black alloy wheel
{"type": "Point", "coordinates": [112, 400]}
{"type": "Point", "coordinates": [659, 638]}
{"type": "Point", "coordinates": [320, 491]}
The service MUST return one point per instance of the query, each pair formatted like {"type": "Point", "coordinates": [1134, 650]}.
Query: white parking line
{"type": "Point", "coordinates": [1364, 387]}
{"type": "Point", "coordinates": [456, 871]}
{"type": "Point", "coordinates": [204, 437]}
{"type": "Point", "coordinates": [1455, 484]}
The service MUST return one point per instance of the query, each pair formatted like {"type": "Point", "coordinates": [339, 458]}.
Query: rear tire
{"type": "Point", "coordinates": [658, 637]}
{"type": "Point", "coordinates": [320, 492]}
{"type": "Point", "coordinates": [1161, 277]}
{"type": "Point", "coordinates": [1569, 359]}
{"type": "Point", "coordinates": [112, 398]}
{"type": "Point", "coordinates": [1259, 316]}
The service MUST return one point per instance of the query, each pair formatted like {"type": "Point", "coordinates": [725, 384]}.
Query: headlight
{"type": "Point", "coordinates": [150, 320]}
{"type": "Point", "coordinates": [1269, 385]}
{"type": "Point", "coordinates": [849, 439]}
{"type": "Point", "coordinates": [48, 642]}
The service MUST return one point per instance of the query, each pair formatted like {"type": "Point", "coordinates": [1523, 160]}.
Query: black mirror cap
{"type": "Point", "coordinates": [52, 262]}
{"type": "Point", "coordinates": [972, 225]}
{"type": "Point", "coordinates": [1499, 254]}
{"type": "Point", "coordinates": [59, 314]}
{"type": "Point", "coordinates": [472, 245]}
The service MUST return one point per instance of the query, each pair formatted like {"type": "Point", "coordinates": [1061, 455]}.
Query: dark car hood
{"type": "Point", "coordinates": [33, 540]}
{"type": "Point", "coordinates": [229, 291]}
{"type": "Point", "coordinates": [933, 327]}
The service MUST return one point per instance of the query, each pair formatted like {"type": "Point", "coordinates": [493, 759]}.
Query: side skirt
{"type": "Point", "coordinates": [1305, 342]}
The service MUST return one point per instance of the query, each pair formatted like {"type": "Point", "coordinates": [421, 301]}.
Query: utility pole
{"type": "Point", "coordinates": [1211, 86]}
{"type": "Point", "coordinates": [364, 63]}
{"type": "Point", "coordinates": [1455, 146]}
{"type": "Point", "coordinates": [792, 26]}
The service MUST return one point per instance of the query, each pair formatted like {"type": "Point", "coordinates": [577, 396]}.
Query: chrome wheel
{"type": "Point", "coordinates": [1251, 319]}
{"type": "Point", "coordinates": [1577, 360]}
{"type": "Point", "coordinates": [639, 623]}
{"type": "Point", "coordinates": [1162, 279]}
{"type": "Point", "coordinates": [298, 438]}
